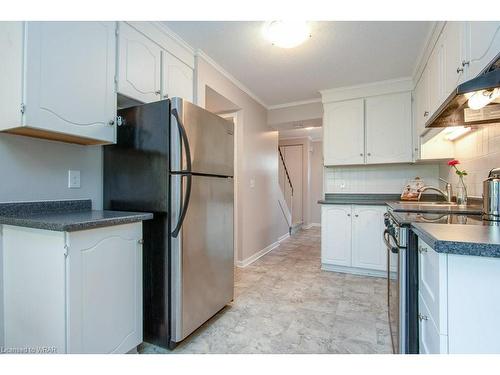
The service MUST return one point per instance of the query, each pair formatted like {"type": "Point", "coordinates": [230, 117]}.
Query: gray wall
{"type": "Point", "coordinates": [32, 169]}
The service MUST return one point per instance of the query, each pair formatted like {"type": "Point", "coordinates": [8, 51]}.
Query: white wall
{"type": "Point", "coordinates": [316, 182]}
{"type": "Point", "coordinates": [33, 169]}
{"type": "Point", "coordinates": [478, 152]}
{"type": "Point", "coordinates": [300, 112]}
{"type": "Point", "coordinates": [261, 222]}
{"type": "Point", "coordinates": [377, 178]}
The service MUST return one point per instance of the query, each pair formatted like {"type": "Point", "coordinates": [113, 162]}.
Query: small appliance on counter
{"type": "Point", "coordinates": [491, 196]}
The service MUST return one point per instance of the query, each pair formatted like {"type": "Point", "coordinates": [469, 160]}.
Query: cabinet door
{"type": "Point", "coordinates": [343, 133]}
{"type": "Point", "coordinates": [420, 113]}
{"type": "Point", "coordinates": [430, 341]}
{"type": "Point", "coordinates": [336, 235]}
{"type": "Point", "coordinates": [368, 248]}
{"type": "Point", "coordinates": [435, 77]}
{"type": "Point", "coordinates": [388, 128]}
{"type": "Point", "coordinates": [483, 44]}
{"type": "Point", "coordinates": [69, 85]}
{"type": "Point", "coordinates": [454, 53]}
{"type": "Point", "coordinates": [105, 289]}
{"type": "Point", "coordinates": [177, 78]}
{"type": "Point", "coordinates": [139, 65]}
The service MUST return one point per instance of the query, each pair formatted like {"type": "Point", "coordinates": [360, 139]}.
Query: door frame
{"type": "Point", "coordinates": [235, 116]}
{"type": "Point", "coordinates": [303, 169]}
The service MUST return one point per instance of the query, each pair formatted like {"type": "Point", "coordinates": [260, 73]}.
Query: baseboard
{"type": "Point", "coordinates": [353, 270]}
{"type": "Point", "coordinates": [254, 257]}
{"type": "Point", "coordinates": [283, 237]}
{"type": "Point", "coordinates": [310, 225]}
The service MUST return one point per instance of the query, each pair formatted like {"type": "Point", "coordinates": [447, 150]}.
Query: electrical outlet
{"type": "Point", "coordinates": [73, 179]}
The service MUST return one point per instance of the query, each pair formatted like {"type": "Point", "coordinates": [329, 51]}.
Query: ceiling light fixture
{"type": "Point", "coordinates": [287, 34]}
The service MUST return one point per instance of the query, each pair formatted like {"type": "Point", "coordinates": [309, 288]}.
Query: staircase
{"type": "Point", "coordinates": [285, 198]}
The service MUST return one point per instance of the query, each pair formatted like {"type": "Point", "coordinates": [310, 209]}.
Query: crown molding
{"type": "Point", "coordinates": [229, 76]}
{"type": "Point", "coordinates": [369, 89]}
{"type": "Point", "coordinates": [294, 104]}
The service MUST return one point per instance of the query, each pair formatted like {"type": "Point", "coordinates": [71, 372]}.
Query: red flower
{"type": "Point", "coordinates": [453, 162]}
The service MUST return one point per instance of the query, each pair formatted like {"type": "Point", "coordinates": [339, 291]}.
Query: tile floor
{"type": "Point", "coordinates": [284, 303]}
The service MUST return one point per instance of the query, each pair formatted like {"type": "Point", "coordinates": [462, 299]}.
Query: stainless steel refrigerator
{"type": "Point", "coordinates": [175, 159]}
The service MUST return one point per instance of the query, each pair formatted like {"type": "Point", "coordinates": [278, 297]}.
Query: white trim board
{"type": "Point", "coordinates": [353, 270]}
{"type": "Point", "coordinates": [294, 104]}
{"type": "Point", "coordinates": [310, 225]}
{"type": "Point", "coordinates": [246, 262]}
{"type": "Point", "coordinates": [230, 77]}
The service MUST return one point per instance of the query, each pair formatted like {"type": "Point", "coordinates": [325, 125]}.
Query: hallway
{"type": "Point", "coordinates": [284, 303]}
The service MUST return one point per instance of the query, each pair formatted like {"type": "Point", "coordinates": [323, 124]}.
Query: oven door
{"type": "Point", "coordinates": [395, 292]}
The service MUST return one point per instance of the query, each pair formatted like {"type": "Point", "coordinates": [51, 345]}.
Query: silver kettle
{"type": "Point", "coordinates": [491, 196]}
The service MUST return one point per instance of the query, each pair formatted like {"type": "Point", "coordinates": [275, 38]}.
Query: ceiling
{"type": "Point", "coordinates": [315, 133]}
{"type": "Point", "coordinates": [339, 53]}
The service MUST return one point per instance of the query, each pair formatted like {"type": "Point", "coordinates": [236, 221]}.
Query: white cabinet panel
{"type": "Point", "coordinates": [453, 44]}
{"type": "Point", "coordinates": [105, 290]}
{"type": "Point", "coordinates": [420, 113]}
{"type": "Point", "coordinates": [483, 44]}
{"type": "Point", "coordinates": [368, 248]}
{"type": "Point", "coordinates": [343, 133]}
{"type": "Point", "coordinates": [139, 65]}
{"type": "Point", "coordinates": [430, 341]}
{"type": "Point", "coordinates": [177, 78]}
{"type": "Point", "coordinates": [69, 82]}
{"type": "Point", "coordinates": [336, 235]}
{"type": "Point", "coordinates": [435, 78]}
{"type": "Point", "coordinates": [388, 128]}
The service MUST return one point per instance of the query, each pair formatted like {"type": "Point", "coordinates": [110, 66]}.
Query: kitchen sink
{"type": "Point", "coordinates": [424, 203]}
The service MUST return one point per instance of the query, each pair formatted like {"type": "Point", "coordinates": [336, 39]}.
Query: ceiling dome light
{"type": "Point", "coordinates": [287, 34]}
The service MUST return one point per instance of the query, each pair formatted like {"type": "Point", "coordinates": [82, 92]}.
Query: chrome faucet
{"type": "Point", "coordinates": [446, 195]}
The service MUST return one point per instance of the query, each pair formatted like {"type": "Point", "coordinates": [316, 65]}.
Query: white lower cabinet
{"type": "Point", "coordinates": [73, 292]}
{"type": "Point", "coordinates": [352, 239]}
{"type": "Point", "coordinates": [458, 302]}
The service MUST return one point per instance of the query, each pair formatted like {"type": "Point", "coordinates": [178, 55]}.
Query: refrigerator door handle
{"type": "Point", "coordinates": [184, 207]}
{"type": "Point", "coordinates": [185, 173]}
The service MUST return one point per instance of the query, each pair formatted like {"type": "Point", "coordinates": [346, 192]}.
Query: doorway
{"type": "Point", "coordinates": [293, 157]}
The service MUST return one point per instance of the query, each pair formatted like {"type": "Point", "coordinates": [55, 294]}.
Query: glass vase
{"type": "Point", "coordinates": [461, 195]}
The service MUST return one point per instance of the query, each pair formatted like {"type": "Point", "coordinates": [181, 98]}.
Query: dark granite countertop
{"type": "Point", "coordinates": [64, 216]}
{"type": "Point", "coordinates": [359, 199]}
{"type": "Point", "coordinates": [477, 240]}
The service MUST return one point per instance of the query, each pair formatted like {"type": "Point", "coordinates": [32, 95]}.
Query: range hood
{"type": "Point", "coordinates": [456, 111]}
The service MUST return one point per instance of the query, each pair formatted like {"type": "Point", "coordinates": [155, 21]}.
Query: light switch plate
{"type": "Point", "coordinates": [73, 179]}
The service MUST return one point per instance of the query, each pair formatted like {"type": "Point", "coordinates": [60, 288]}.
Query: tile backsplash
{"type": "Point", "coordinates": [478, 152]}
{"type": "Point", "coordinates": [377, 178]}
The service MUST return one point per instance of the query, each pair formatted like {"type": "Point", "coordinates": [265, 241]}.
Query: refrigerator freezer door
{"type": "Point", "coordinates": [202, 254]}
{"type": "Point", "coordinates": [210, 137]}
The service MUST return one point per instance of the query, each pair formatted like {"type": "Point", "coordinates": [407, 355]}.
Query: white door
{"type": "Point", "coordinates": [483, 44]}
{"type": "Point", "coordinates": [343, 133]}
{"type": "Point", "coordinates": [139, 65]}
{"type": "Point", "coordinates": [105, 289]}
{"type": "Point", "coordinates": [368, 248]}
{"type": "Point", "coordinates": [454, 53]}
{"type": "Point", "coordinates": [336, 235]}
{"type": "Point", "coordinates": [69, 84]}
{"type": "Point", "coordinates": [293, 160]}
{"type": "Point", "coordinates": [177, 78]}
{"type": "Point", "coordinates": [388, 128]}
{"type": "Point", "coordinates": [435, 77]}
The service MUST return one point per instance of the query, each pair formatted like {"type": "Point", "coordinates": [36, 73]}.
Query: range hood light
{"type": "Point", "coordinates": [482, 98]}
{"type": "Point", "coordinates": [455, 132]}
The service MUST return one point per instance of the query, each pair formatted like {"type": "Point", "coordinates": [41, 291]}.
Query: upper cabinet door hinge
{"type": "Point", "coordinates": [23, 108]}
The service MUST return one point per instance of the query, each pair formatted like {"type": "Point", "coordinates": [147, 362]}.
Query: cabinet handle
{"type": "Point", "coordinates": [426, 113]}
{"type": "Point", "coordinates": [422, 250]}
{"type": "Point", "coordinates": [140, 242]}
{"type": "Point", "coordinates": [465, 62]}
{"type": "Point", "coordinates": [460, 70]}
{"type": "Point", "coordinates": [165, 96]}
{"type": "Point", "coordinates": [416, 149]}
{"type": "Point", "coordinates": [356, 215]}
{"type": "Point", "coordinates": [348, 214]}
{"type": "Point", "coordinates": [158, 92]}
{"type": "Point", "coordinates": [422, 317]}
{"type": "Point", "coordinates": [361, 154]}
{"type": "Point", "coordinates": [111, 122]}
{"type": "Point", "coordinates": [369, 154]}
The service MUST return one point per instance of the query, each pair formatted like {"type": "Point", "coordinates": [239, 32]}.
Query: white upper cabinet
{"type": "Point", "coordinates": [435, 78]}
{"type": "Point", "coordinates": [139, 65]}
{"type": "Point", "coordinates": [420, 112]}
{"type": "Point", "coordinates": [483, 44]}
{"type": "Point", "coordinates": [344, 133]}
{"type": "Point", "coordinates": [388, 120]}
{"type": "Point", "coordinates": [67, 83]}
{"type": "Point", "coordinates": [368, 248]}
{"type": "Point", "coordinates": [453, 44]}
{"type": "Point", "coordinates": [177, 78]}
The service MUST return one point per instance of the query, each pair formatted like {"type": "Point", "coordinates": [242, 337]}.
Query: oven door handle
{"type": "Point", "coordinates": [387, 236]}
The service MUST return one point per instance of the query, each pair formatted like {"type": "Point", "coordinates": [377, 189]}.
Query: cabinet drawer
{"type": "Point", "coordinates": [431, 342]}
{"type": "Point", "coordinates": [433, 285]}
